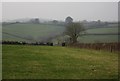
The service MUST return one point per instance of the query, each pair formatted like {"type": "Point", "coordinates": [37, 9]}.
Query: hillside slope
{"type": "Point", "coordinates": [30, 32]}
{"type": "Point", "coordinates": [51, 62]}
{"type": "Point", "coordinates": [42, 32]}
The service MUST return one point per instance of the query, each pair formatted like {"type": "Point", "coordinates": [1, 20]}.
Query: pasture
{"type": "Point", "coordinates": [32, 32]}
{"type": "Point", "coordinates": [107, 38]}
{"type": "Point", "coordinates": [42, 32]}
{"type": "Point", "coordinates": [54, 62]}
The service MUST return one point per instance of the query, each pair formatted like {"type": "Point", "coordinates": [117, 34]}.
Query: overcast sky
{"type": "Point", "coordinates": [106, 11]}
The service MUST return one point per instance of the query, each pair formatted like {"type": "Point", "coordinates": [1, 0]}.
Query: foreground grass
{"type": "Point", "coordinates": [45, 62]}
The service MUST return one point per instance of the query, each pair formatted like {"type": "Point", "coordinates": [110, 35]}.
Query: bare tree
{"type": "Point", "coordinates": [74, 30]}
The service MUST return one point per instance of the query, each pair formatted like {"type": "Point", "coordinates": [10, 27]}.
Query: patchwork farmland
{"type": "Point", "coordinates": [41, 32]}
{"type": "Point", "coordinates": [93, 58]}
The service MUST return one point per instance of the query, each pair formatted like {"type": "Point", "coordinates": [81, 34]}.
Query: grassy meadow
{"type": "Point", "coordinates": [100, 38]}
{"type": "Point", "coordinates": [40, 32]}
{"type": "Point", "coordinates": [32, 32]}
{"type": "Point", "coordinates": [54, 62]}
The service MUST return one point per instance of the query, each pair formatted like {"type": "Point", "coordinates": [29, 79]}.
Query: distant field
{"type": "Point", "coordinates": [39, 32]}
{"type": "Point", "coordinates": [100, 38]}
{"type": "Point", "coordinates": [30, 31]}
{"type": "Point", "coordinates": [103, 30]}
{"type": "Point", "coordinates": [45, 62]}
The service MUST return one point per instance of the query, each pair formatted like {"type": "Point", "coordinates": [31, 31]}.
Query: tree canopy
{"type": "Point", "coordinates": [74, 30]}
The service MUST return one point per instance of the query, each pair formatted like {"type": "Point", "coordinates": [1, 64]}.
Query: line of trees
{"type": "Point", "coordinates": [25, 43]}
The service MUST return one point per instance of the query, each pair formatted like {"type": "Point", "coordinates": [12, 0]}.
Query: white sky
{"type": "Point", "coordinates": [60, 0]}
{"type": "Point", "coordinates": [106, 11]}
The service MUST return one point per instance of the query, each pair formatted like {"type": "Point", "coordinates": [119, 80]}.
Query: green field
{"type": "Point", "coordinates": [103, 30]}
{"type": "Point", "coordinates": [100, 38]}
{"type": "Point", "coordinates": [54, 62]}
{"type": "Point", "coordinates": [41, 32]}
{"type": "Point", "coordinates": [35, 32]}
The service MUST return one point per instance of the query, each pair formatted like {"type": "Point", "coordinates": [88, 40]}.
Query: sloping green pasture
{"type": "Point", "coordinates": [52, 62]}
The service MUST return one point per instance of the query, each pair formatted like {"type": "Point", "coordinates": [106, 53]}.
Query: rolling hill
{"type": "Point", "coordinates": [42, 32]}
{"type": "Point", "coordinates": [30, 32]}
